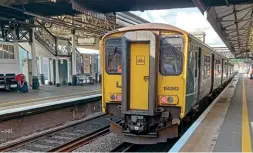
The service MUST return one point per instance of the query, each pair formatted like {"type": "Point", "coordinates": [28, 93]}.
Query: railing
{"type": "Point", "coordinates": [49, 41]}
{"type": "Point", "coordinates": [46, 40]}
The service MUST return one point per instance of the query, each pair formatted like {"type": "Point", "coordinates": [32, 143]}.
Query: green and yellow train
{"type": "Point", "coordinates": [153, 75]}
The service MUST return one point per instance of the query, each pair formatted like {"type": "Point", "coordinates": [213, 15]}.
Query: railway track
{"type": "Point", "coordinates": [128, 147]}
{"type": "Point", "coordinates": [66, 139]}
{"type": "Point", "coordinates": [123, 147]}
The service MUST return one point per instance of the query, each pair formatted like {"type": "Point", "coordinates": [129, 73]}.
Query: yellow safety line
{"type": "Point", "coordinates": [246, 138]}
{"type": "Point", "coordinates": [44, 98]}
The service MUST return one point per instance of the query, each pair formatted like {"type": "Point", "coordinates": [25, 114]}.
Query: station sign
{"type": "Point", "coordinates": [86, 41]}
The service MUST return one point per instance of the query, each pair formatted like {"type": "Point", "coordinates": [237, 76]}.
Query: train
{"type": "Point", "coordinates": [153, 75]}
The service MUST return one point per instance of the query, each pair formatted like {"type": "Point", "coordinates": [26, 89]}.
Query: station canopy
{"type": "Point", "coordinates": [231, 19]}
{"type": "Point", "coordinates": [233, 23]}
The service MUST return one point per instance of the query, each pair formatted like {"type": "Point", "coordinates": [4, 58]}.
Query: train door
{"type": "Point", "coordinates": [63, 71]}
{"type": "Point", "coordinates": [139, 71]}
{"type": "Point", "coordinates": [199, 72]}
{"type": "Point", "coordinates": [222, 70]}
{"type": "Point", "coordinates": [196, 76]}
{"type": "Point", "coordinates": [212, 73]}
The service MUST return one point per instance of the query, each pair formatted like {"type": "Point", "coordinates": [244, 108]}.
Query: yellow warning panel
{"type": "Point", "coordinates": [139, 74]}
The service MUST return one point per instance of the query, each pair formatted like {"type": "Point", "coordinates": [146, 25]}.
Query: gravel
{"type": "Point", "coordinates": [50, 129]}
{"type": "Point", "coordinates": [102, 144]}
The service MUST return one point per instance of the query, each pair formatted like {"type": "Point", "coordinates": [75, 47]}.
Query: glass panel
{"type": "Point", "coordinates": [1, 51]}
{"type": "Point", "coordinates": [218, 66]}
{"type": "Point", "coordinates": [11, 52]}
{"type": "Point", "coordinates": [113, 50]}
{"type": "Point", "coordinates": [207, 66]}
{"type": "Point", "coordinates": [5, 50]}
{"type": "Point", "coordinates": [171, 56]}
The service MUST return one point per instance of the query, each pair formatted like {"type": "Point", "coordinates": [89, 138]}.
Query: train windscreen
{"type": "Point", "coordinates": [171, 55]}
{"type": "Point", "coordinates": [113, 51]}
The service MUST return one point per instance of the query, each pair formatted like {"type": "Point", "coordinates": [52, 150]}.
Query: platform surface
{"type": "Point", "coordinates": [10, 100]}
{"type": "Point", "coordinates": [228, 126]}
{"type": "Point", "coordinates": [236, 131]}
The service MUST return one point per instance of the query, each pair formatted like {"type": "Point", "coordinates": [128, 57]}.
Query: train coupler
{"type": "Point", "coordinates": [161, 135]}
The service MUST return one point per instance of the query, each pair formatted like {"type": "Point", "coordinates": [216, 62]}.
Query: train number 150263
{"type": "Point", "coordinates": [171, 88]}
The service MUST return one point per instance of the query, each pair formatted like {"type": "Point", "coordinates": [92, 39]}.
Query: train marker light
{"type": "Point", "coordinates": [118, 97]}
{"type": "Point", "coordinates": [164, 100]}
{"type": "Point", "coordinates": [170, 99]}
{"type": "Point", "coordinates": [112, 97]}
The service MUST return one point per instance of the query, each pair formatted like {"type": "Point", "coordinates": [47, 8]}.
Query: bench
{"type": "Point", "coordinates": [7, 81]}
{"type": "Point", "coordinates": [82, 79]}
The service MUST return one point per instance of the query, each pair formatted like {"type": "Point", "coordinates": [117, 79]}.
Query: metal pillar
{"type": "Point", "coordinates": [57, 79]}
{"type": "Point", "coordinates": [74, 76]}
{"type": "Point", "coordinates": [49, 72]}
{"type": "Point", "coordinates": [99, 70]}
{"type": "Point", "coordinates": [52, 71]}
{"type": "Point", "coordinates": [42, 78]}
{"type": "Point", "coordinates": [16, 51]}
{"type": "Point", "coordinates": [35, 80]}
{"type": "Point", "coordinates": [69, 72]}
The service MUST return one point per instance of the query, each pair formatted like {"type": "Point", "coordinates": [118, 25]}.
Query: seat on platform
{"type": "Point", "coordinates": [85, 79]}
{"type": "Point", "coordinates": [10, 81]}
{"type": "Point", "coordinates": [10, 78]}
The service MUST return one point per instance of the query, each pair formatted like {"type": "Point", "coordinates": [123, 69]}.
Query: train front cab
{"type": "Point", "coordinates": [146, 92]}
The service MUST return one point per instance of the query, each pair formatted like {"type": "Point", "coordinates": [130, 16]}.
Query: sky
{"type": "Point", "coordinates": [188, 19]}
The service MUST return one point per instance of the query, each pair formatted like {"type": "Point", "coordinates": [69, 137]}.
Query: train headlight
{"type": "Point", "coordinates": [164, 99]}
{"type": "Point", "coordinates": [115, 97]}
{"type": "Point", "coordinates": [112, 97]}
{"type": "Point", "coordinates": [170, 99]}
{"type": "Point", "coordinates": [119, 97]}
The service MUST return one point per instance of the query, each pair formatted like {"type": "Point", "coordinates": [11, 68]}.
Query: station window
{"type": "Point", "coordinates": [171, 55]}
{"type": "Point", "coordinates": [6, 51]}
{"type": "Point", "coordinates": [207, 67]}
{"type": "Point", "coordinates": [113, 52]}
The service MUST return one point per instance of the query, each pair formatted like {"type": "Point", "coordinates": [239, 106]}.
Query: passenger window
{"type": "Point", "coordinates": [113, 51]}
{"type": "Point", "coordinates": [196, 64]}
{"type": "Point", "coordinates": [225, 68]}
{"type": "Point", "coordinates": [207, 71]}
{"type": "Point", "coordinates": [171, 56]}
{"type": "Point", "coordinates": [218, 67]}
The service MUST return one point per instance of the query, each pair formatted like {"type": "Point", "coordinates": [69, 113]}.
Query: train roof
{"type": "Point", "coordinates": [207, 46]}
{"type": "Point", "coordinates": [147, 26]}
{"type": "Point", "coordinates": [160, 26]}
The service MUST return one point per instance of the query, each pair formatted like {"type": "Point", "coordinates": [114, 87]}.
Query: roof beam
{"type": "Point", "coordinates": [237, 11]}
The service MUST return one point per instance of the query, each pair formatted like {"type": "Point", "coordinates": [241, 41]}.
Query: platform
{"type": "Point", "coordinates": [46, 94]}
{"type": "Point", "coordinates": [228, 124]}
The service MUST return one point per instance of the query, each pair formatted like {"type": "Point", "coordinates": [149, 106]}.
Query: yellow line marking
{"type": "Point", "coordinates": [246, 137]}
{"type": "Point", "coordinates": [44, 98]}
